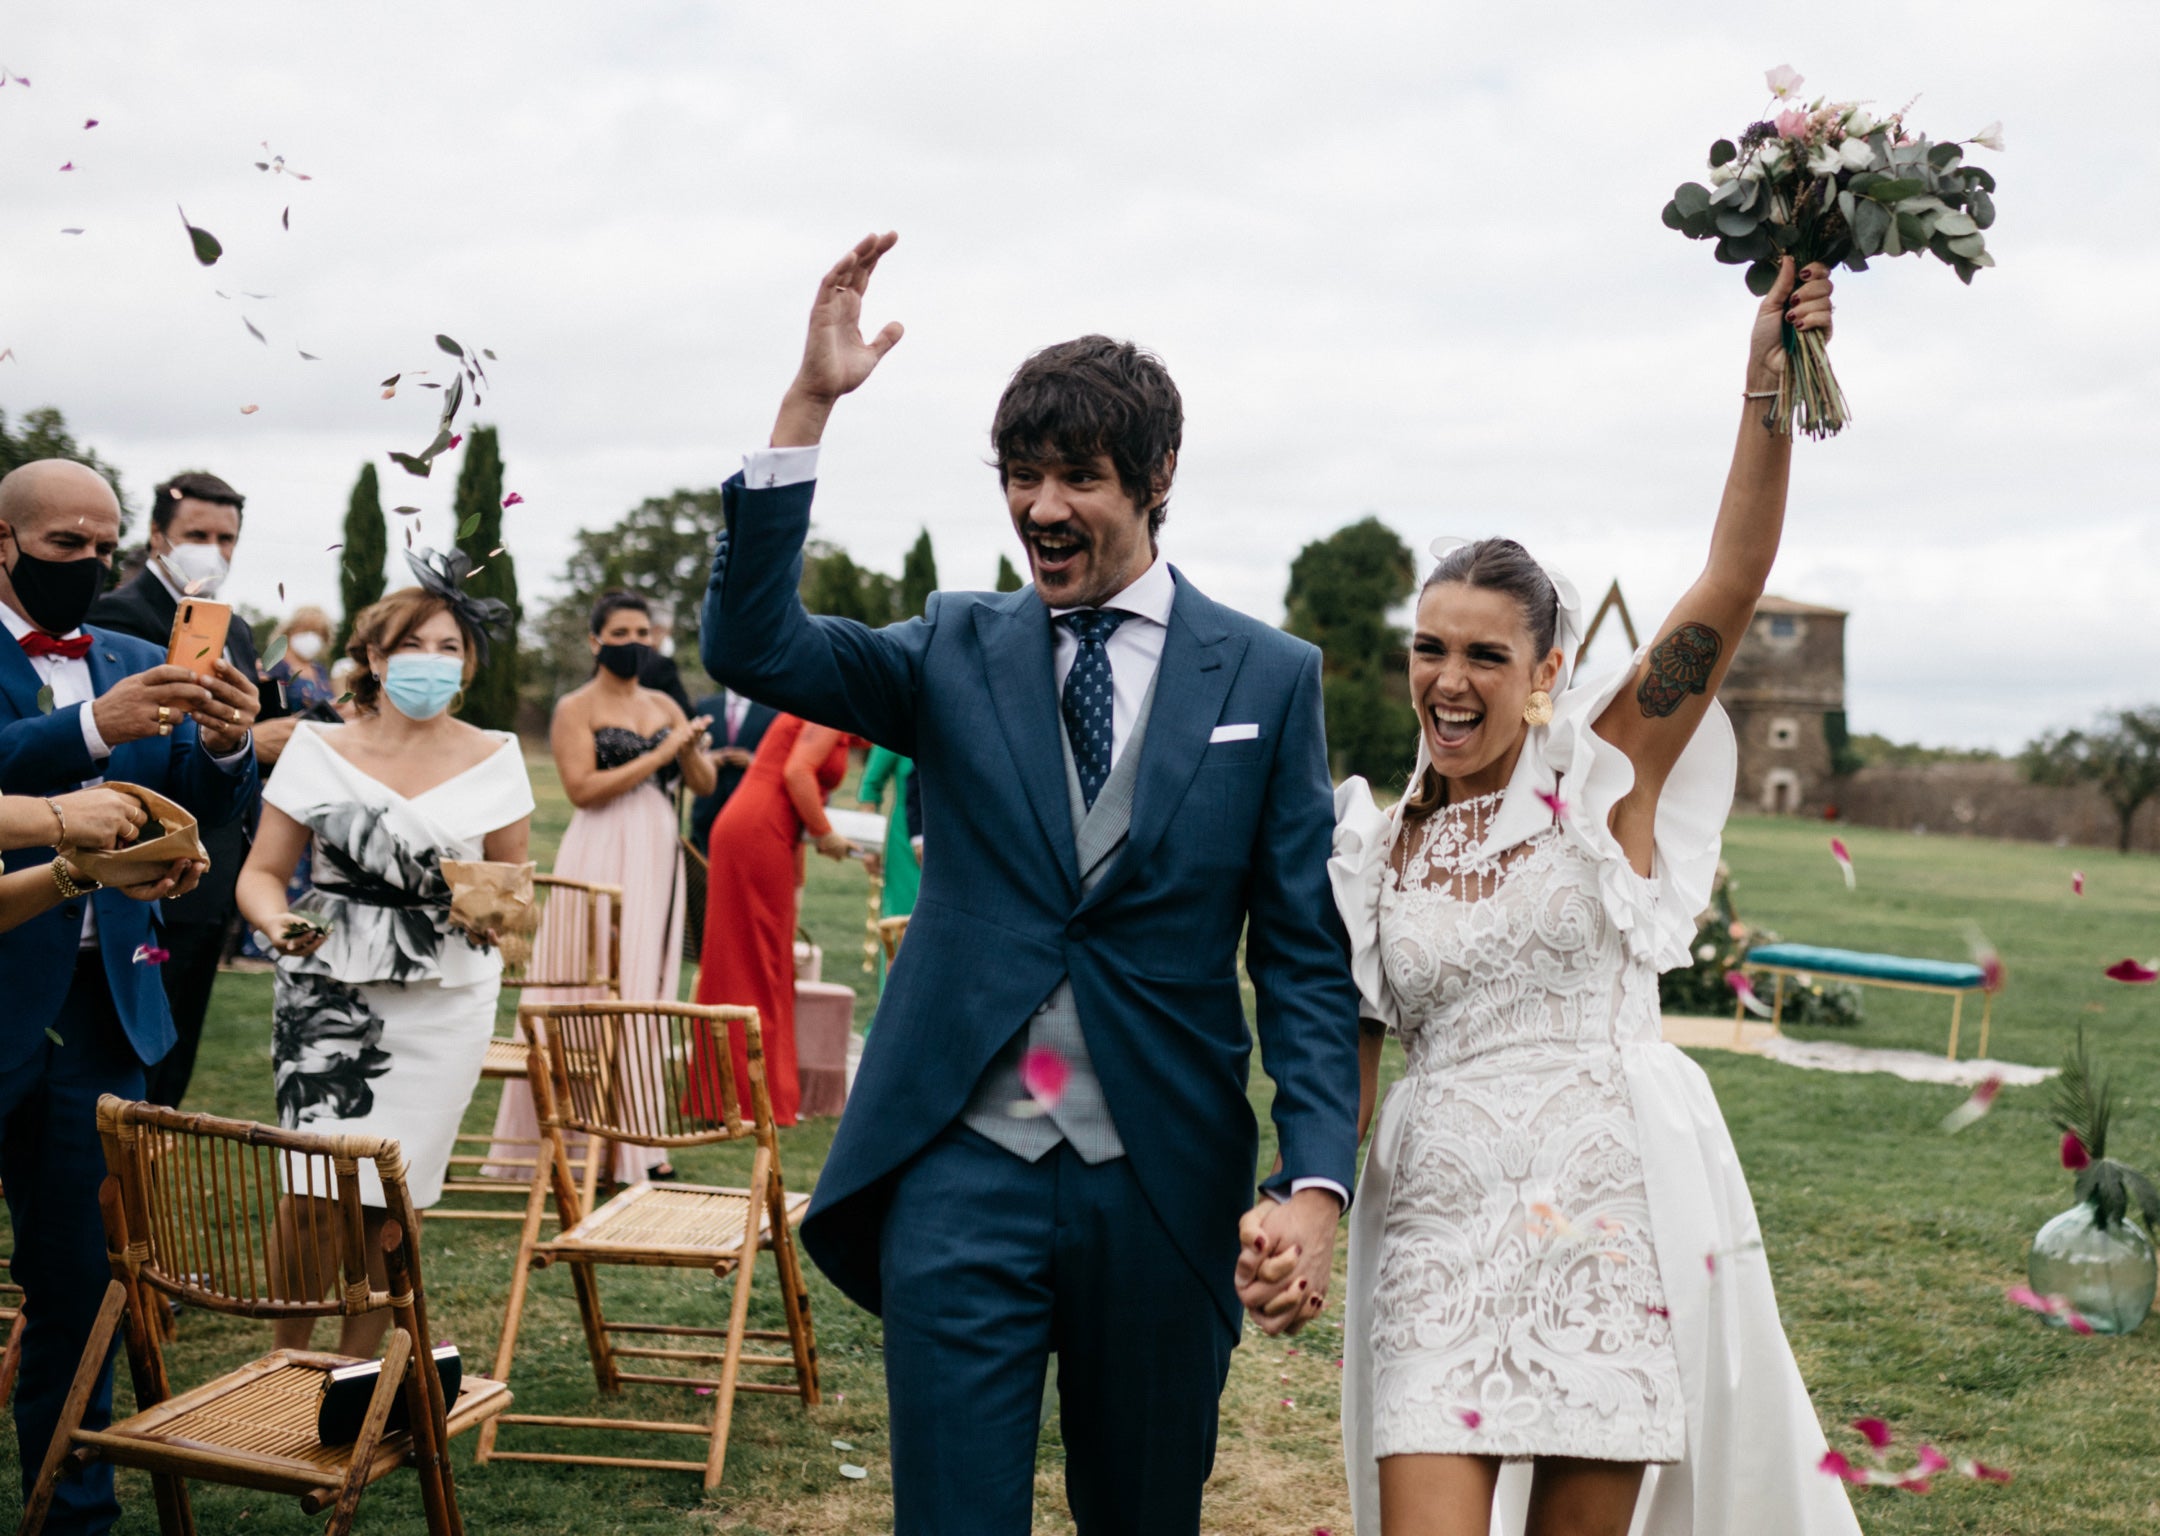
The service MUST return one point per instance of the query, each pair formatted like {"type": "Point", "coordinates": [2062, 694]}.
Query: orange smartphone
{"type": "Point", "coordinates": [198, 635]}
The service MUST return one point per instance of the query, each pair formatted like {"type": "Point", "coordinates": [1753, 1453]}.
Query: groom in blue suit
{"type": "Point", "coordinates": [83, 1016]}
{"type": "Point", "coordinates": [1049, 1147]}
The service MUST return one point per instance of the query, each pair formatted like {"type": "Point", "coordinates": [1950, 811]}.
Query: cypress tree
{"type": "Point", "coordinates": [360, 563]}
{"type": "Point", "coordinates": [491, 701]}
{"type": "Point", "coordinates": [1008, 579]}
{"type": "Point", "coordinates": [918, 578]}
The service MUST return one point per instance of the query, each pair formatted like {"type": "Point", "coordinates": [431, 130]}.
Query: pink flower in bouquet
{"type": "Point", "coordinates": [1792, 123]}
{"type": "Point", "coordinates": [1784, 81]}
{"type": "Point", "coordinates": [2074, 1155]}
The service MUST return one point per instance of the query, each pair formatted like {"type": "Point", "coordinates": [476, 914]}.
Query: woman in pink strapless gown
{"type": "Point", "coordinates": [619, 748]}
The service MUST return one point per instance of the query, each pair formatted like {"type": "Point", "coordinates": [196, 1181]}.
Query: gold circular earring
{"type": "Point", "coordinates": [1537, 709]}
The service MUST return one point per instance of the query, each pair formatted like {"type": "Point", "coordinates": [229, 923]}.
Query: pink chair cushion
{"type": "Point", "coordinates": [824, 1018]}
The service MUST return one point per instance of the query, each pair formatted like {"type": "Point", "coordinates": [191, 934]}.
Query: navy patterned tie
{"type": "Point", "coordinates": [1089, 700]}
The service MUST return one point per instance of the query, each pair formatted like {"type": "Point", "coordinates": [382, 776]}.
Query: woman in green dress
{"type": "Point", "coordinates": [903, 874]}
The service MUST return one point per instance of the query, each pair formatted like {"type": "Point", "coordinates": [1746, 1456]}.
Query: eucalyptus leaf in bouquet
{"type": "Point", "coordinates": [1830, 182]}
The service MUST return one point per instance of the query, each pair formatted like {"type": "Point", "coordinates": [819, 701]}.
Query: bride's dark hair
{"type": "Point", "coordinates": [1497, 565]}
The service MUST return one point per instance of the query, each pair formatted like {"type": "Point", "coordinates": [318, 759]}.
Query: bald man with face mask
{"type": "Point", "coordinates": [80, 704]}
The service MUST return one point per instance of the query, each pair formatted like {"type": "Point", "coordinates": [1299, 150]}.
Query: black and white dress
{"type": "Point", "coordinates": [383, 1029]}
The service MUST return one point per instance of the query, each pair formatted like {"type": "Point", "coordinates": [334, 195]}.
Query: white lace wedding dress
{"type": "Point", "coordinates": [1517, 1310]}
{"type": "Point", "coordinates": [1553, 1251]}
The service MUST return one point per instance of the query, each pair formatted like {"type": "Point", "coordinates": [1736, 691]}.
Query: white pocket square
{"type": "Point", "coordinates": [1233, 733]}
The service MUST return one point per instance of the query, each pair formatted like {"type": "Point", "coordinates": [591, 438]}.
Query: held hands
{"type": "Point", "coordinates": [1803, 298]}
{"type": "Point", "coordinates": [836, 359]}
{"type": "Point", "coordinates": [1286, 1257]}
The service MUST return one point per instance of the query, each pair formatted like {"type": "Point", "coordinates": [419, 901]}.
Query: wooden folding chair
{"type": "Point", "coordinates": [191, 1205]}
{"type": "Point", "coordinates": [623, 1071]}
{"type": "Point", "coordinates": [577, 945]}
{"type": "Point", "coordinates": [11, 1319]}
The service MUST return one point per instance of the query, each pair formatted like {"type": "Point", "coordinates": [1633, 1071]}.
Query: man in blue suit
{"type": "Point", "coordinates": [1049, 1146]}
{"type": "Point", "coordinates": [83, 1015]}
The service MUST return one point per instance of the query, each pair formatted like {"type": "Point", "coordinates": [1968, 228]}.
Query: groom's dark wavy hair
{"type": "Point", "coordinates": [1094, 395]}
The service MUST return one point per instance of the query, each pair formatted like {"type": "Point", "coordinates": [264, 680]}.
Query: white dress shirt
{"type": "Point", "coordinates": [735, 710]}
{"type": "Point", "coordinates": [1135, 647]}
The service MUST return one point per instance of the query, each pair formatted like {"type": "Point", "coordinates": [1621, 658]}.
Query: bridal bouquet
{"type": "Point", "coordinates": [1830, 182]}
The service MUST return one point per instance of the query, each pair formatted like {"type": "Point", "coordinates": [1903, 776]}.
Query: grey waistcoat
{"type": "Point", "coordinates": [1081, 1117]}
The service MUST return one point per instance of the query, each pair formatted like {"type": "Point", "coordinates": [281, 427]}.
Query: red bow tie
{"type": "Point", "coordinates": [38, 643]}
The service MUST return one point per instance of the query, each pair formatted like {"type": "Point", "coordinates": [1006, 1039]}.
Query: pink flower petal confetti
{"type": "Point", "coordinates": [150, 954]}
{"type": "Point", "coordinates": [1044, 1074]}
{"type": "Point", "coordinates": [69, 166]}
{"type": "Point", "coordinates": [1744, 988]}
{"type": "Point", "coordinates": [2135, 974]}
{"type": "Point", "coordinates": [2048, 1306]}
{"type": "Point", "coordinates": [512, 500]}
{"type": "Point", "coordinates": [1876, 1432]}
{"type": "Point", "coordinates": [1470, 1416]}
{"type": "Point", "coordinates": [249, 410]}
{"type": "Point", "coordinates": [1980, 1471]}
{"type": "Point", "coordinates": [1982, 1100]}
{"type": "Point", "coordinates": [2074, 1155]}
{"type": "Point", "coordinates": [90, 123]}
{"type": "Point", "coordinates": [1557, 805]}
{"type": "Point", "coordinates": [1844, 861]}
{"type": "Point", "coordinates": [2077, 882]}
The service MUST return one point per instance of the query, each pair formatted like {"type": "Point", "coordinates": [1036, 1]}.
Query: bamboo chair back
{"type": "Point", "coordinates": [199, 1201]}
{"type": "Point", "coordinates": [578, 943]}
{"type": "Point", "coordinates": [649, 1073]}
{"type": "Point", "coordinates": [11, 1327]}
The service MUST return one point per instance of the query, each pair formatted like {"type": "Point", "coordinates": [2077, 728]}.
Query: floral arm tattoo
{"type": "Point", "coordinates": [1678, 665]}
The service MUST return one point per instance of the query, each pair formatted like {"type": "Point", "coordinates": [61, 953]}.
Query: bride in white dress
{"type": "Point", "coordinates": [1560, 1315]}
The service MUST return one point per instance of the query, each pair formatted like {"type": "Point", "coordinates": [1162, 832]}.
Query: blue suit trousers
{"type": "Point", "coordinates": [52, 1164]}
{"type": "Point", "coordinates": [992, 1266]}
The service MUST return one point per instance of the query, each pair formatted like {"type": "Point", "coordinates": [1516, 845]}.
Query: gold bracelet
{"type": "Point", "coordinates": [60, 820]}
{"type": "Point", "coordinates": [64, 880]}
{"type": "Point", "coordinates": [1758, 394]}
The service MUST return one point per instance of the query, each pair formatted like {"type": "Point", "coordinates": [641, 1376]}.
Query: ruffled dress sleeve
{"type": "Point", "coordinates": [1655, 915]}
{"type": "Point", "coordinates": [1357, 864]}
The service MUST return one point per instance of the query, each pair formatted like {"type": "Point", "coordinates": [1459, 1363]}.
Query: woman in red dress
{"type": "Point", "coordinates": [748, 958]}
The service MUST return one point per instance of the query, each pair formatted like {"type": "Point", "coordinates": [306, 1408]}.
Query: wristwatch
{"type": "Point", "coordinates": [69, 886]}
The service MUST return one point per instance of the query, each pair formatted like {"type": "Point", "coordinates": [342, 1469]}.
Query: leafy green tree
{"type": "Point", "coordinates": [832, 583]}
{"type": "Point", "coordinates": [492, 701]}
{"type": "Point", "coordinates": [1008, 579]}
{"type": "Point", "coordinates": [1341, 590]}
{"type": "Point", "coordinates": [43, 434]}
{"type": "Point", "coordinates": [661, 549]}
{"type": "Point", "coordinates": [918, 578]}
{"type": "Point", "coordinates": [2119, 756]}
{"type": "Point", "coordinates": [367, 547]}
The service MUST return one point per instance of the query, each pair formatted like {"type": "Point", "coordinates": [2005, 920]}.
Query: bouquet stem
{"type": "Point", "coordinates": [1808, 389]}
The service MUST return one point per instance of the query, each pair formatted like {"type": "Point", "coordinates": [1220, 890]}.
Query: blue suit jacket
{"type": "Point", "coordinates": [1229, 839]}
{"type": "Point", "coordinates": [43, 754]}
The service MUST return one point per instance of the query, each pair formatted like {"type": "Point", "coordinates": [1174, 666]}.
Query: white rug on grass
{"type": "Point", "coordinates": [1913, 1066]}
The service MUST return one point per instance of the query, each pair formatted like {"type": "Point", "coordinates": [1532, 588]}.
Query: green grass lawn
{"type": "Point", "coordinates": [1890, 1241]}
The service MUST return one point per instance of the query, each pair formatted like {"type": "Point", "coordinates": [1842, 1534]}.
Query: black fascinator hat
{"type": "Point", "coordinates": [444, 576]}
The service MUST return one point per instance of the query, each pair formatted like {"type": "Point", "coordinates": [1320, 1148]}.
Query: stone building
{"type": "Point", "coordinates": [1786, 696]}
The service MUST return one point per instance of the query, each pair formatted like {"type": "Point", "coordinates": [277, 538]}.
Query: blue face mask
{"type": "Point", "coordinates": [422, 686]}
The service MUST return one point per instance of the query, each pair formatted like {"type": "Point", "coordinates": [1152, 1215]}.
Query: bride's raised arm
{"type": "Point", "coordinates": [1654, 719]}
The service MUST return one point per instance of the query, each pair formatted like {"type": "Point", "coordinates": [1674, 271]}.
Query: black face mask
{"type": "Point", "coordinates": [625, 660]}
{"type": "Point", "coordinates": [57, 594]}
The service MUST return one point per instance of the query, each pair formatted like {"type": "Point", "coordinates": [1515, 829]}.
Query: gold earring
{"type": "Point", "coordinates": [1537, 709]}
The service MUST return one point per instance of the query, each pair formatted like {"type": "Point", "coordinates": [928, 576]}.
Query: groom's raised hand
{"type": "Point", "coordinates": [1286, 1258]}
{"type": "Point", "coordinates": [835, 359]}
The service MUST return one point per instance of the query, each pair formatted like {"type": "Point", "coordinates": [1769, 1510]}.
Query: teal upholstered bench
{"type": "Point", "coordinates": [1946, 977]}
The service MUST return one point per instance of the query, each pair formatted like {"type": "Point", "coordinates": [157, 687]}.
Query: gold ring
{"type": "Point", "coordinates": [164, 714]}
{"type": "Point", "coordinates": [236, 714]}
{"type": "Point", "coordinates": [164, 730]}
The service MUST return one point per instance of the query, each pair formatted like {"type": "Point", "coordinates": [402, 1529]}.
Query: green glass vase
{"type": "Point", "coordinates": [2106, 1273]}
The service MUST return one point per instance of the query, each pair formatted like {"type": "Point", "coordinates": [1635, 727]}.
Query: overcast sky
{"type": "Point", "coordinates": [1401, 259]}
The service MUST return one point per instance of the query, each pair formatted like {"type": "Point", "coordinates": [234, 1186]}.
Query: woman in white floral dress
{"type": "Point", "coordinates": [1560, 1315]}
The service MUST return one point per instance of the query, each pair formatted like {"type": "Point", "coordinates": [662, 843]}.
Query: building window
{"type": "Point", "coordinates": [1781, 792]}
{"type": "Point", "coordinates": [1783, 626]}
{"type": "Point", "coordinates": [1784, 733]}
{"type": "Point", "coordinates": [1780, 631]}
